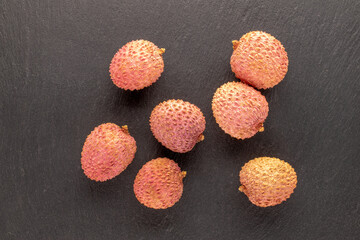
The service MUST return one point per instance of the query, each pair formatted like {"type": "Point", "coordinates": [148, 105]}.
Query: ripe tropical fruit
{"type": "Point", "coordinates": [267, 181]}
{"type": "Point", "coordinates": [259, 59]}
{"type": "Point", "coordinates": [136, 65]}
{"type": "Point", "coordinates": [177, 125]}
{"type": "Point", "coordinates": [239, 109]}
{"type": "Point", "coordinates": [159, 183]}
{"type": "Point", "coordinates": [107, 151]}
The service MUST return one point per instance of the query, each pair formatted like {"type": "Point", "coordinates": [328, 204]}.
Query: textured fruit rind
{"type": "Point", "coordinates": [159, 183]}
{"type": "Point", "coordinates": [239, 109]}
{"type": "Point", "coordinates": [177, 125]}
{"type": "Point", "coordinates": [267, 181]}
{"type": "Point", "coordinates": [107, 151]}
{"type": "Point", "coordinates": [259, 59]}
{"type": "Point", "coordinates": [137, 65]}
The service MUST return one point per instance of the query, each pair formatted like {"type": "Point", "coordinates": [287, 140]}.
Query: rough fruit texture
{"type": "Point", "coordinates": [259, 59]}
{"type": "Point", "coordinates": [267, 181]}
{"type": "Point", "coordinates": [136, 65]}
{"type": "Point", "coordinates": [107, 151]}
{"type": "Point", "coordinates": [159, 183]}
{"type": "Point", "coordinates": [177, 125]}
{"type": "Point", "coordinates": [239, 109]}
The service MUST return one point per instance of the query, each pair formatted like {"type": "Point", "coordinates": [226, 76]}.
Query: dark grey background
{"type": "Point", "coordinates": [55, 88]}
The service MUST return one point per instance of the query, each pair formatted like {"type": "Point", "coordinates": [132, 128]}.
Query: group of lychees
{"type": "Point", "coordinates": [259, 60]}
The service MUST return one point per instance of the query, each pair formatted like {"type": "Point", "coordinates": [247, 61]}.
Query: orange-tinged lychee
{"type": "Point", "coordinates": [107, 151]}
{"type": "Point", "coordinates": [239, 109]}
{"type": "Point", "coordinates": [177, 125]}
{"type": "Point", "coordinates": [137, 65]}
{"type": "Point", "coordinates": [259, 59]}
{"type": "Point", "coordinates": [159, 183]}
{"type": "Point", "coordinates": [267, 181]}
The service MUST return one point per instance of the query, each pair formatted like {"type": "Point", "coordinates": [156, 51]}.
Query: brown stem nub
{"type": "Point", "coordinates": [241, 188]}
{"type": "Point", "coordinates": [201, 138]}
{"type": "Point", "coordinates": [235, 44]}
{"type": "Point", "coordinates": [161, 51]}
{"type": "Point", "coordinates": [125, 129]}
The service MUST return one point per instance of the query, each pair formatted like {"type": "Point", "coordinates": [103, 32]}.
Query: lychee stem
{"type": "Point", "coordinates": [261, 129]}
{"type": "Point", "coordinates": [201, 138]}
{"type": "Point", "coordinates": [125, 129]}
{"type": "Point", "coordinates": [235, 44]}
{"type": "Point", "coordinates": [241, 188]}
{"type": "Point", "coordinates": [161, 51]}
{"type": "Point", "coordinates": [183, 174]}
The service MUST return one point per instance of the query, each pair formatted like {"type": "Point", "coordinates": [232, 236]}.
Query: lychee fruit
{"type": "Point", "coordinates": [137, 65]}
{"type": "Point", "coordinates": [159, 183]}
{"type": "Point", "coordinates": [107, 151]}
{"type": "Point", "coordinates": [177, 125]}
{"type": "Point", "coordinates": [259, 59]}
{"type": "Point", "coordinates": [239, 109]}
{"type": "Point", "coordinates": [267, 181]}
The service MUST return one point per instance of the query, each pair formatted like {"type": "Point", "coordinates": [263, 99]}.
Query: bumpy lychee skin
{"type": "Point", "coordinates": [107, 151]}
{"type": "Point", "coordinates": [259, 59]}
{"type": "Point", "coordinates": [267, 181]}
{"type": "Point", "coordinates": [159, 183]}
{"type": "Point", "coordinates": [137, 65]}
{"type": "Point", "coordinates": [177, 125]}
{"type": "Point", "coordinates": [239, 109]}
